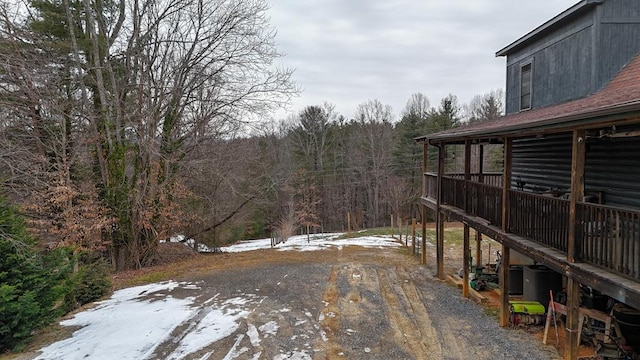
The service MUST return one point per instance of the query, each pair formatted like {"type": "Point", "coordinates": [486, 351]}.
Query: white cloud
{"type": "Point", "coordinates": [348, 52]}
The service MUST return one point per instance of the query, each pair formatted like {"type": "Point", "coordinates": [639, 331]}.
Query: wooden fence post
{"type": "Point", "coordinates": [413, 234]}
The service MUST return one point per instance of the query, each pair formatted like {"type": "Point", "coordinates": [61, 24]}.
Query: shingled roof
{"type": "Point", "coordinates": [618, 99]}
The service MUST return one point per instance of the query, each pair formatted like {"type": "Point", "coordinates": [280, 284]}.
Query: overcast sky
{"type": "Point", "coordinates": [349, 51]}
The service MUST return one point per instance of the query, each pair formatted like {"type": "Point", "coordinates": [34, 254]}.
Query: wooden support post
{"type": "Point", "coordinates": [478, 248]}
{"type": "Point", "coordinates": [465, 261]}
{"type": "Point", "coordinates": [504, 287]}
{"type": "Point", "coordinates": [440, 247]}
{"type": "Point", "coordinates": [407, 231]}
{"type": "Point", "coordinates": [440, 217]}
{"type": "Point", "coordinates": [467, 174]}
{"type": "Point", "coordinates": [425, 165]}
{"type": "Point", "coordinates": [574, 239]}
{"type": "Point", "coordinates": [481, 164]}
{"type": "Point", "coordinates": [573, 315]}
{"type": "Point", "coordinates": [392, 225]}
{"type": "Point", "coordinates": [506, 183]}
{"type": "Point", "coordinates": [423, 259]}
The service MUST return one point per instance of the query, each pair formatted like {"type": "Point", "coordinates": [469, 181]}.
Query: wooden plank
{"type": "Point", "coordinates": [472, 293]}
{"type": "Point", "coordinates": [477, 296]}
{"type": "Point", "coordinates": [547, 324]}
{"type": "Point", "coordinates": [455, 279]}
{"type": "Point", "coordinates": [577, 193]}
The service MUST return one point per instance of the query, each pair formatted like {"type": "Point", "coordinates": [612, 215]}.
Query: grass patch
{"type": "Point", "coordinates": [455, 236]}
{"type": "Point", "coordinates": [151, 276]}
{"type": "Point", "coordinates": [492, 312]}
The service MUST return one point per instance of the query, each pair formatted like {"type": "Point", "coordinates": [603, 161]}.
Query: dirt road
{"type": "Point", "coordinates": [352, 303]}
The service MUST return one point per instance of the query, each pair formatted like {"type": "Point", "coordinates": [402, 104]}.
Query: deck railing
{"type": "Point", "coordinates": [431, 184]}
{"type": "Point", "coordinates": [494, 179]}
{"type": "Point", "coordinates": [540, 218]}
{"type": "Point", "coordinates": [611, 238]}
{"type": "Point", "coordinates": [431, 181]}
{"type": "Point", "coordinates": [485, 201]}
{"type": "Point", "coordinates": [453, 191]}
{"type": "Point", "coordinates": [606, 236]}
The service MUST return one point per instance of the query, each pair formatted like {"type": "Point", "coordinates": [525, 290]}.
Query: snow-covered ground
{"type": "Point", "coordinates": [172, 317]}
{"type": "Point", "coordinates": [316, 242]}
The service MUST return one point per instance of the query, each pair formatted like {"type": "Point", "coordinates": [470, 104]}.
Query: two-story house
{"type": "Point", "coordinates": [568, 196]}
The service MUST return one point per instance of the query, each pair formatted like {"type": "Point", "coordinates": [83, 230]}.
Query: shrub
{"type": "Point", "coordinates": [30, 285]}
{"type": "Point", "coordinates": [90, 283]}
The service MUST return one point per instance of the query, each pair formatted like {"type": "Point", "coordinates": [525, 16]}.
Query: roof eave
{"type": "Point", "coordinates": [572, 11]}
{"type": "Point", "coordinates": [561, 122]}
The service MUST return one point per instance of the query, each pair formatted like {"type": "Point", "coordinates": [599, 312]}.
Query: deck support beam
{"type": "Point", "coordinates": [425, 165]}
{"type": "Point", "coordinates": [573, 242]}
{"type": "Point", "coordinates": [504, 265]}
{"type": "Point", "coordinates": [440, 217]}
{"type": "Point", "coordinates": [479, 248]}
{"type": "Point", "coordinates": [467, 175]}
{"type": "Point", "coordinates": [481, 180]}
{"type": "Point", "coordinates": [465, 262]}
{"type": "Point", "coordinates": [506, 182]}
{"type": "Point", "coordinates": [577, 194]}
{"type": "Point", "coordinates": [504, 286]}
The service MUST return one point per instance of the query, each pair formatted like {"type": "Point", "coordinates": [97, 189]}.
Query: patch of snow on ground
{"type": "Point", "coordinates": [253, 334]}
{"type": "Point", "coordinates": [294, 355]}
{"type": "Point", "coordinates": [318, 242]}
{"type": "Point", "coordinates": [214, 326]}
{"type": "Point", "coordinates": [235, 352]}
{"type": "Point", "coordinates": [150, 321]}
{"type": "Point", "coordinates": [270, 328]}
{"type": "Point", "coordinates": [147, 321]}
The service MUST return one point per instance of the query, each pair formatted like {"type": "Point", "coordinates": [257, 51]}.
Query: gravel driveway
{"type": "Point", "coordinates": [357, 303]}
{"type": "Point", "coordinates": [346, 303]}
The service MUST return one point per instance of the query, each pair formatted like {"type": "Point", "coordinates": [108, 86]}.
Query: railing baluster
{"type": "Point", "coordinates": [610, 237]}
{"type": "Point", "coordinates": [636, 250]}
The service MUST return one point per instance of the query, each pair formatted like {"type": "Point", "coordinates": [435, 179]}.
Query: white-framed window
{"type": "Point", "coordinates": [526, 86]}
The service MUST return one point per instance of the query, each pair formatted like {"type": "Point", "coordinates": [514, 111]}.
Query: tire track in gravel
{"type": "Point", "coordinates": [408, 317]}
{"type": "Point", "coordinates": [364, 325]}
{"type": "Point", "coordinates": [329, 316]}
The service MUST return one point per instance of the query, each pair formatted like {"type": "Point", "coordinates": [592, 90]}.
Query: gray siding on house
{"type": "Point", "coordinates": [612, 166]}
{"type": "Point", "coordinates": [542, 163]}
{"type": "Point", "coordinates": [616, 9]}
{"type": "Point", "coordinates": [619, 43]}
{"type": "Point", "coordinates": [577, 57]}
{"type": "Point", "coordinates": [561, 66]}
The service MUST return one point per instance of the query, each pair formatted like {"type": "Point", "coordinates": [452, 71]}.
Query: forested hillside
{"type": "Point", "coordinates": [124, 124]}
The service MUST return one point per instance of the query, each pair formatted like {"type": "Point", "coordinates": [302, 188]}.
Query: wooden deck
{"type": "Point", "coordinates": [607, 237]}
